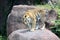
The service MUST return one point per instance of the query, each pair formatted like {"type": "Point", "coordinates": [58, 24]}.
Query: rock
{"type": "Point", "coordinates": [14, 18]}
{"type": "Point", "coordinates": [14, 21]}
{"type": "Point", "coordinates": [36, 35]}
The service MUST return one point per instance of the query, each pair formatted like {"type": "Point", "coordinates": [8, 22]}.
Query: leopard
{"type": "Point", "coordinates": [34, 19]}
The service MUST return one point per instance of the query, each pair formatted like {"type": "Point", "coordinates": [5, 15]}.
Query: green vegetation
{"type": "Point", "coordinates": [3, 37]}
{"type": "Point", "coordinates": [56, 28]}
{"type": "Point", "coordinates": [0, 37]}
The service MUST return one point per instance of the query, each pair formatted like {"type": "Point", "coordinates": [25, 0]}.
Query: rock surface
{"type": "Point", "coordinates": [36, 35]}
{"type": "Point", "coordinates": [14, 21]}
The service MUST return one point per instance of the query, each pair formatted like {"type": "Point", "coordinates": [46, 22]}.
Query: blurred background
{"type": "Point", "coordinates": [6, 7]}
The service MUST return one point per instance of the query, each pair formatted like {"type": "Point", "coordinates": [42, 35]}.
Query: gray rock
{"type": "Point", "coordinates": [14, 21]}
{"type": "Point", "coordinates": [36, 35]}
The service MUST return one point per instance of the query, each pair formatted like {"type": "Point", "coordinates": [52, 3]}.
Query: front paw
{"type": "Point", "coordinates": [32, 30]}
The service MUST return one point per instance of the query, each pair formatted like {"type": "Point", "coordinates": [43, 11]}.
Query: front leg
{"type": "Point", "coordinates": [33, 25]}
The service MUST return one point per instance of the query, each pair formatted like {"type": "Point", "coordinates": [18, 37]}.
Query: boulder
{"type": "Point", "coordinates": [14, 21]}
{"type": "Point", "coordinates": [24, 34]}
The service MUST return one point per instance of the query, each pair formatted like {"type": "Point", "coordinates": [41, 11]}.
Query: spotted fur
{"type": "Point", "coordinates": [33, 19]}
